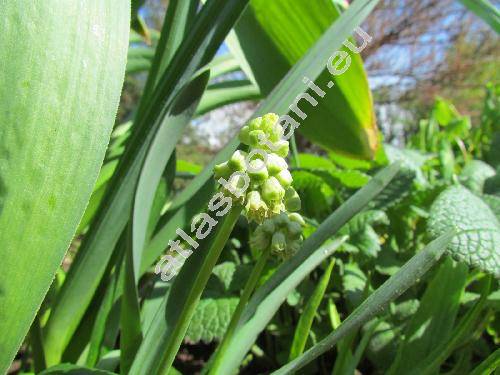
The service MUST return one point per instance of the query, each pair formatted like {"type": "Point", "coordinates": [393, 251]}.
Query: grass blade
{"type": "Point", "coordinates": [396, 285]}
{"type": "Point", "coordinates": [307, 316]}
{"type": "Point", "coordinates": [489, 365]}
{"type": "Point", "coordinates": [433, 323]}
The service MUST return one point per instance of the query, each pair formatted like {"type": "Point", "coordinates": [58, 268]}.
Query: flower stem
{"type": "Point", "coordinates": [245, 296]}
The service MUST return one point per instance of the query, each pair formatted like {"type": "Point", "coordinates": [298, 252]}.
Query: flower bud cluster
{"type": "Point", "coordinates": [261, 173]}
{"type": "Point", "coordinates": [282, 234]}
{"type": "Point", "coordinates": [260, 181]}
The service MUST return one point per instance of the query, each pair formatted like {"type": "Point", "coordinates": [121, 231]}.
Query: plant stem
{"type": "Point", "coordinates": [245, 296]}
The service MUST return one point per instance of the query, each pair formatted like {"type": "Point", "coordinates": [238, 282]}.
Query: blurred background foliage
{"type": "Point", "coordinates": [420, 50]}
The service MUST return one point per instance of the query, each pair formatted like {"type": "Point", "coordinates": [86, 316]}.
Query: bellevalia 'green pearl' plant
{"type": "Point", "coordinates": [269, 192]}
{"type": "Point", "coordinates": [263, 176]}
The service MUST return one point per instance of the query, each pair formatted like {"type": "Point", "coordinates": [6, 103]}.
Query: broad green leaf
{"type": "Point", "coordinates": [485, 10]}
{"type": "Point", "coordinates": [314, 192]}
{"type": "Point", "coordinates": [361, 234]}
{"type": "Point", "coordinates": [477, 242]}
{"type": "Point", "coordinates": [433, 322]}
{"type": "Point", "coordinates": [211, 318]}
{"type": "Point", "coordinates": [62, 73]}
{"type": "Point", "coordinates": [268, 40]}
{"type": "Point", "coordinates": [196, 50]}
{"type": "Point", "coordinates": [155, 162]}
{"type": "Point", "coordinates": [307, 317]}
{"type": "Point", "coordinates": [348, 178]}
{"type": "Point", "coordinates": [493, 202]}
{"type": "Point", "coordinates": [475, 174]}
{"type": "Point", "coordinates": [411, 159]}
{"type": "Point", "coordinates": [407, 276]}
{"type": "Point", "coordinates": [315, 162]}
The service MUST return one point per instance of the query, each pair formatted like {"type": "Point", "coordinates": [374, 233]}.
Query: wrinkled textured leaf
{"type": "Point", "coordinates": [478, 231]}
{"type": "Point", "coordinates": [211, 318]}
{"type": "Point", "coordinates": [361, 234]}
{"type": "Point", "coordinates": [475, 174]}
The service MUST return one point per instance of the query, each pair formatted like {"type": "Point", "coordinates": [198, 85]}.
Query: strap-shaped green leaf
{"type": "Point", "coordinates": [61, 78]}
{"type": "Point", "coordinates": [478, 231]}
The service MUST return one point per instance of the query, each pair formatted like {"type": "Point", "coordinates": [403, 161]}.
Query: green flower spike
{"type": "Point", "coordinates": [267, 175]}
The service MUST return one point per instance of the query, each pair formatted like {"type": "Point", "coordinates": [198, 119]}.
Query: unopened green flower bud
{"type": "Point", "coordinates": [271, 127]}
{"type": "Point", "coordinates": [268, 227]}
{"type": "Point", "coordinates": [294, 229]}
{"type": "Point", "coordinates": [257, 171]}
{"type": "Point", "coordinates": [237, 161]}
{"type": "Point", "coordinates": [292, 248]}
{"type": "Point", "coordinates": [244, 135]}
{"type": "Point", "coordinates": [222, 170]}
{"type": "Point", "coordinates": [282, 148]}
{"type": "Point", "coordinates": [272, 190]}
{"type": "Point", "coordinates": [285, 178]}
{"type": "Point", "coordinates": [278, 242]}
{"type": "Point", "coordinates": [297, 218]}
{"type": "Point", "coordinates": [255, 123]}
{"type": "Point", "coordinates": [292, 200]}
{"type": "Point", "coordinates": [255, 208]}
{"type": "Point", "coordinates": [255, 136]}
{"type": "Point", "coordinates": [280, 220]}
{"type": "Point", "coordinates": [236, 186]}
{"type": "Point", "coordinates": [260, 240]}
{"type": "Point", "coordinates": [275, 164]}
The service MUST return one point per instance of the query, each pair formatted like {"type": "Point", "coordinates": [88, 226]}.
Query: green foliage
{"type": "Point", "coordinates": [59, 95]}
{"type": "Point", "coordinates": [270, 29]}
{"type": "Point", "coordinates": [477, 242]}
{"type": "Point", "coordinates": [341, 250]}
